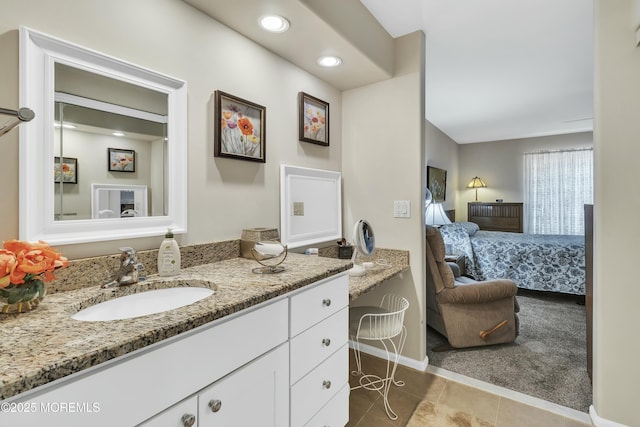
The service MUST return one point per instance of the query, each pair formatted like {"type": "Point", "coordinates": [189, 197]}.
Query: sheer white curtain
{"type": "Point", "coordinates": [557, 184]}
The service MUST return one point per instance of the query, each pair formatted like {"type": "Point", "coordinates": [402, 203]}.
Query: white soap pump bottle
{"type": "Point", "coordinates": [169, 256]}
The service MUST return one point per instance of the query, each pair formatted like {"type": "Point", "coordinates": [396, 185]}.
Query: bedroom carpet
{"type": "Point", "coordinates": [547, 360]}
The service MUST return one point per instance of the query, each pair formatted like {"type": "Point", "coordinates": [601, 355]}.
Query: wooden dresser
{"type": "Point", "coordinates": [496, 216]}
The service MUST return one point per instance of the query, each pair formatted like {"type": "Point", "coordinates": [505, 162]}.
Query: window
{"type": "Point", "coordinates": [557, 185]}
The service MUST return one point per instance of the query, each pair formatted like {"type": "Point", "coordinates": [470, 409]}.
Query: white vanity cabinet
{"type": "Point", "coordinates": [319, 354]}
{"type": "Point", "coordinates": [254, 395]}
{"type": "Point", "coordinates": [281, 363]}
{"type": "Point", "coordinates": [134, 388]}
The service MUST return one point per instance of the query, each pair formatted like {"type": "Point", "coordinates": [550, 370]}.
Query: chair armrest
{"type": "Point", "coordinates": [478, 292]}
{"type": "Point", "coordinates": [455, 268]}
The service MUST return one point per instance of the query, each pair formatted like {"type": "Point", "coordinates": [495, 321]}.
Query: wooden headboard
{"type": "Point", "coordinates": [451, 214]}
{"type": "Point", "coordinates": [496, 216]}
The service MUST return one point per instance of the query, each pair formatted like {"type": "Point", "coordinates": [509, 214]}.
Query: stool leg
{"type": "Point", "coordinates": [356, 356]}
{"type": "Point", "coordinates": [403, 337]}
{"type": "Point", "coordinates": [389, 379]}
{"type": "Point", "coordinates": [377, 383]}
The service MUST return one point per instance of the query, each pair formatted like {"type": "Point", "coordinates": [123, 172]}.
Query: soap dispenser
{"type": "Point", "coordinates": [169, 256]}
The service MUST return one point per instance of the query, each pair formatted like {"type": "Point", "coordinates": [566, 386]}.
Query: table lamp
{"type": "Point", "coordinates": [476, 182]}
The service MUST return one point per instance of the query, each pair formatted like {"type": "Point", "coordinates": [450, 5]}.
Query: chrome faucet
{"type": "Point", "coordinates": [128, 271]}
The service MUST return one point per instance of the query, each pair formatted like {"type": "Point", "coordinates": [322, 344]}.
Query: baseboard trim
{"type": "Point", "coordinates": [602, 422]}
{"type": "Point", "coordinates": [403, 360]}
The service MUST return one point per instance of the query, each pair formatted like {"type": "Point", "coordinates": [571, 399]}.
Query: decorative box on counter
{"type": "Point", "coordinates": [345, 252]}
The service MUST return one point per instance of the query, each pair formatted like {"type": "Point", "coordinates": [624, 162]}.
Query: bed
{"type": "Point", "coordinates": [540, 262]}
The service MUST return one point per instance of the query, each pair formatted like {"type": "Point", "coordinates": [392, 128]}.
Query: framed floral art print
{"type": "Point", "coordinates": [65, 171]}
{"type": "Point", "coordinates": [437, 183]}
{"type": "Point", "coordinates": [239, 128]}
{"type": "Point", "coordinates": [313, 120]}
{"type": "Point", "coordinates": [121, 160]}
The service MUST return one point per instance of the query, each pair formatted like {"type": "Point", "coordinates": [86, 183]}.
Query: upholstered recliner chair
{"type": "Point", "coordinates": [467, 312]}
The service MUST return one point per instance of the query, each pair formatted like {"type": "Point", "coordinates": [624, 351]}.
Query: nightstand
{"type": "Point", "coordinates": [458, 259]}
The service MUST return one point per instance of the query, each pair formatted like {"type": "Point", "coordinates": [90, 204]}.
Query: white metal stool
{"type": "Point", "coordinates": [383, 323]}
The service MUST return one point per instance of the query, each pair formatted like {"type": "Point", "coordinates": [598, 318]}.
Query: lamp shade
{"type": "Point", "coordinates": [435, 215]}
{"type": "Point", "coordinates": [476, 182]}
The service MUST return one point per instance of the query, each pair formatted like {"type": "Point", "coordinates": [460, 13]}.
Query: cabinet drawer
{"type": "Point", "coordinates": [312, 346]}
{"type": "Point", "coordinates": [335, 413]}
{"type": "Point", "coordinates": [317, 303]}
{"type": "Point", "coordinates": [319, 386]}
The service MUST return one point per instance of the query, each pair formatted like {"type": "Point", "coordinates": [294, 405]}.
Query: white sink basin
{"type": "Point", "coordinates": [143, 303]}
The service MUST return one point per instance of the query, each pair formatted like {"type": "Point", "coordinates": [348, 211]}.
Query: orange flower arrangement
{"type": "Point", "coordinates": [24, 267]}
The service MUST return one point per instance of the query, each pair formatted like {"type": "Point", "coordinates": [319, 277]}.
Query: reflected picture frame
{"type": "Point", "coordinates": [65, 171]}
{"type": "Point", "coordinates": [240, 128]}
{"type": "Point", "coordinates": [313, 119]}
{"type": "Point", "coordinates": [121, 160]}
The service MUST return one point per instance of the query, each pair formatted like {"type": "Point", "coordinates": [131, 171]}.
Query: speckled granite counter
{"type": "Point", "coordinates": [388, 263]}
{"type": "Point", "coordinates": [46, 344]}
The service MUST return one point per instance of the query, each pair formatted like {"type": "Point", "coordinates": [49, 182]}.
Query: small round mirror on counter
{"type": "Point", "coordinates": [270, 254]}
{"type": "Point", "coordinates": [364, 243]}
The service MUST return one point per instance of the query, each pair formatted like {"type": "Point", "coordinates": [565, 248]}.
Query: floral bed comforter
{"type": "Point", "coordinates": [533, 261]}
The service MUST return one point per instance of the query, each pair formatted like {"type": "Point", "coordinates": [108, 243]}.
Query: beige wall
{"type": "Point", "coordinates": [383, 161]}
{"type": "Point", "coordinates": [442, 152]}
{"type": "Point", "coordinates": [617, 103]}
{"type": "Point", "coordinates": [500, 164]}
{"type": "Point", "coordinates": [169, 36]}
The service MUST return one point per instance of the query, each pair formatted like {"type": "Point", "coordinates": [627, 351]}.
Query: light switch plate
{"type": "Point", "coordinates": [402, 209]}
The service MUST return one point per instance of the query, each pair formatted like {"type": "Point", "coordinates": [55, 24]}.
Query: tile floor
{"type": "Point", "coordinates": [366, 408]}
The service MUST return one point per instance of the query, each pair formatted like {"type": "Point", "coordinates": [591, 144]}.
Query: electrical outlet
{"type": "Point", "coordinates": [298, 208]}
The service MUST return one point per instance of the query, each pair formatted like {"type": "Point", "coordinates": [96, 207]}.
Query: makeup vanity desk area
{"type": "Point", "coordinates": [248, 327]}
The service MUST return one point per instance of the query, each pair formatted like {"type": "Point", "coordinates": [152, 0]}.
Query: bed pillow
{"type": "Point", "coordinates": [471, 227]}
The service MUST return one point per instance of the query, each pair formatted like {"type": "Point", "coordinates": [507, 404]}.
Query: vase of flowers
{"type": "Point", "coordinates": [24, 269]}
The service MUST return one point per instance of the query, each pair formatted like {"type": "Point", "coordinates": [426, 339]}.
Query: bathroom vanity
{"type": "Point", "coordinates": [273, 347]}
{"type": "Point", "coordinates": [275, 353]}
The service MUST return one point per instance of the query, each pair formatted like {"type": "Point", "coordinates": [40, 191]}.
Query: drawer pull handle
{"type": "Point", "coordinates": [326, 384]}
{"type": "Point", "coordinates": [188, 420]}
{"type": "Point", "coordinates": [215, 405]}
{"type": "Point", "coordinates": [326, 302]}
{"type": "Point", "coordinates": [326, 342]}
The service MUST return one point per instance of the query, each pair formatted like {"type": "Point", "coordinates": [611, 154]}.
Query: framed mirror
{"type": "Point", "coordinates": [121, 125]}
{"type": "Point", "coordinates": [310, 206]}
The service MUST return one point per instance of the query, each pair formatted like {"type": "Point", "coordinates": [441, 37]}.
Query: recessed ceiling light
{"type": "Point", "coordinates": [274, 23]}
{"type": "Point", "coordinates": [117, 133]}
{"type": "Point", "coordinates": [329, 61]}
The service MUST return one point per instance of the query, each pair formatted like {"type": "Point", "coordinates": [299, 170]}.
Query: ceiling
{"type": "Point", "coordinates": [495, 69]}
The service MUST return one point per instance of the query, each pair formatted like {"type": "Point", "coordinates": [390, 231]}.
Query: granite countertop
{"type": "Point", "coordinates": [47, 344]}
{"type": "Point", "coordinates": [387, 263]}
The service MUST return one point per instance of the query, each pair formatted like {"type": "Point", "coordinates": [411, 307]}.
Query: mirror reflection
{"type": "Point", "coordinates": [118, 201]}
{"type": "Point", "coordinates": [110, 147]}
{"type": "Point", "coordinates": [100, 121]}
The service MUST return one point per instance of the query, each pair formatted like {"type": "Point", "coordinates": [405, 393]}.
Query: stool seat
{"type": "Point", "coordinates": [383, 323]}
{"type": "Point", "coordinates": [356, 313]}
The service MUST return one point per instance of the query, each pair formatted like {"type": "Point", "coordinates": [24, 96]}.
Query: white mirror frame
{"type": "Point", "coordinates": [318, 196]}
{"type": "Point", "coordinates": [38, 54]}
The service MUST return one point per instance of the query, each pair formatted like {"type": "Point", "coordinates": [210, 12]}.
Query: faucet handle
{"type": "Point", "coordinates": [128, 255]}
